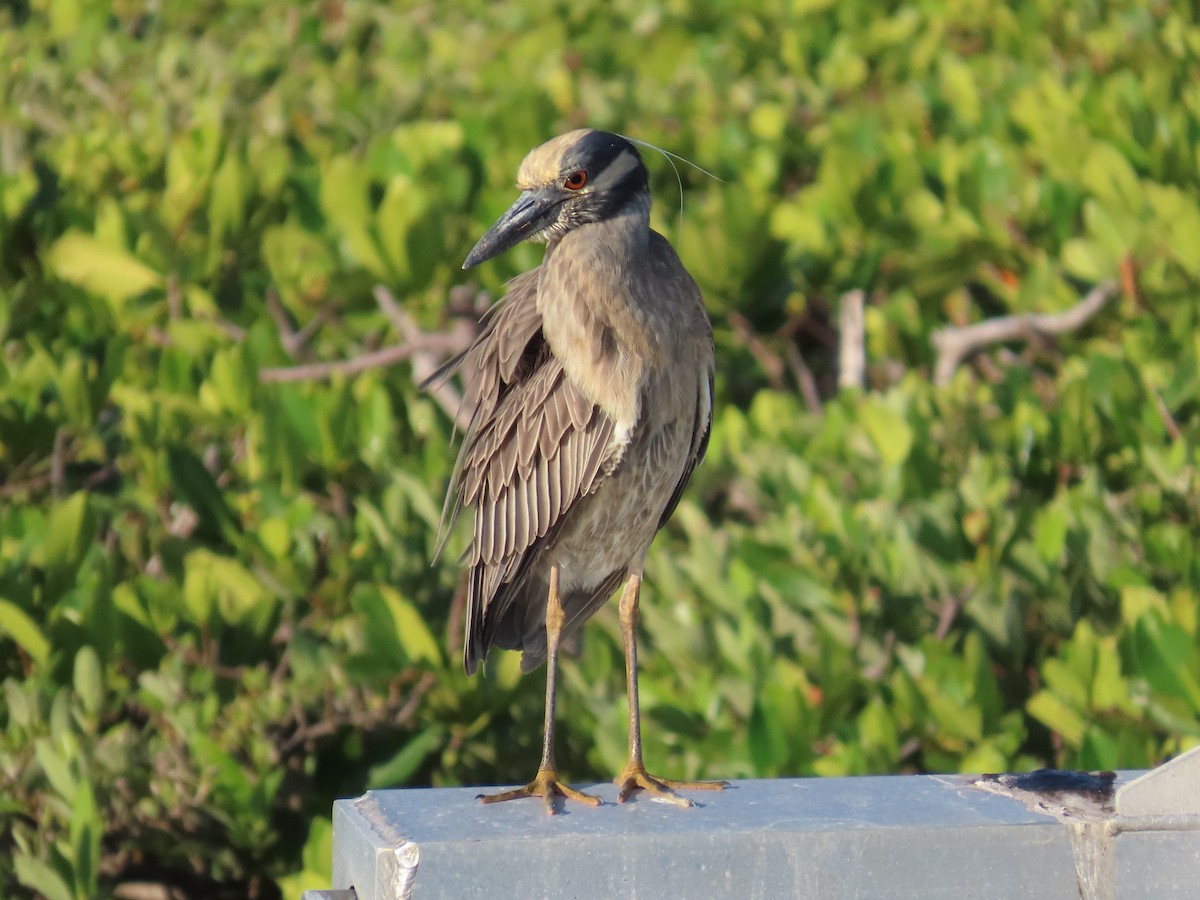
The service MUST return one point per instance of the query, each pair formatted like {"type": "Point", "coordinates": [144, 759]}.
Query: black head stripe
{"type": "Point", "coordinates": [598, 150]}
{"type": "Point", "coordinates": [616, 177]}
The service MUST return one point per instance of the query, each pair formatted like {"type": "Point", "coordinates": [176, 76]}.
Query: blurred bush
{"type": "Point", "coordinates": [217, 611]}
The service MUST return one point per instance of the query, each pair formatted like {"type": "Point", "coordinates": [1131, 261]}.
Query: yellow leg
{"type": "Point", "coordinates": [546, 784]}
{"type": "Point", "coordinates": [634, 777]}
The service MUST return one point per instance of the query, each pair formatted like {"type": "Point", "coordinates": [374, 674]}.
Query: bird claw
{"type": "Point", "coordinates": [636, 778]}
{"type": "Point", "coordinates": [547, 786]}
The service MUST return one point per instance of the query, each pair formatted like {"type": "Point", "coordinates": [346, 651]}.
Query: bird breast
{"type": "Point", "coordinates": [593, 298]}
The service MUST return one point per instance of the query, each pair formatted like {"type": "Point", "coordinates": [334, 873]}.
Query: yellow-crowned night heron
{"type": "Point", "coordinates": [590, 393]}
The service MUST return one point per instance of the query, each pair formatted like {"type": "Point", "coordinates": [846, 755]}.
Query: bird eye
{"type": "Point", "coordinates": [576, 180]}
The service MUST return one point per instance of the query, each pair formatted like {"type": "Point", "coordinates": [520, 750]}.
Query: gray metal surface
{"type": "Point", "coordinates": [884, 837]}
{"type": "Point", "coordinates": [1172, 789]}
{"type": "Point", "coordinates": [1039, 835]}
{"type": "Point", "coordinates": [917, 836]}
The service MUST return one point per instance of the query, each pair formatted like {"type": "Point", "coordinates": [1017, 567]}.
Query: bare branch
{"type": "Point", "coordinates": [58, 462]}
{"type": "Point", "coordinates": [770, 361]}
{"type": "Point", "coordinates": [852, 355]}
{"type": "Point", "coordinates": [426, 352]}
{"type": "Point", "coordinates": [396, 713]}
{"type": "Point", "coordinates": [955, 344]}
{"type": "Point", "coordinates": [425, 363]}
{"type": "Point", "coordinates": [1168, 420]}
{"type": "Point", "coordinates": [39, 482]}
{"type": "Point", "coordinates": [174, 297]}
{"type": "Point", "coordinates": [947, 611]}
{"type": "Point", "coordinates": [401, 321]}
{"type": "Point", "coordinates": [804, 377]}
{"type": "Point", "coordinates": [294, 340]}
{"type": "Point", "coordinates": [233, 332]}
{"type": "Point", "coordinates": [435, 343]}
{"type": "Point", "coordinates": [91, 83]}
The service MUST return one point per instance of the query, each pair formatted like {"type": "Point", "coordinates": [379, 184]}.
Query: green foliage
{"type": "Point", "coordinates": [217, 608]}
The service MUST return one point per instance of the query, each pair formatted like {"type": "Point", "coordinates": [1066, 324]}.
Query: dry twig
{"type": "Point", "coordinates": [775, 364]}
{"type": "Point", "coordinates": [375, 358]}
{"type": "Point", "coordinates": [852, 355]}
{"type": "Point", "coordinates": [426, 362]}
{"type": "Point", "coordinates": [294, 340]}
{"type": "Point", "coordinates": [804, 377]}
{"type": "Point", "coordinates": [956, 344]}
{"type": "Point", "coordinates": [424, 351]}
{"type": "Point", "coordinates": [770, 361]}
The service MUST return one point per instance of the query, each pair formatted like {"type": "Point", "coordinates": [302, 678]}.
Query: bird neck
{"type": "Point", "coordinates": [594, 313]}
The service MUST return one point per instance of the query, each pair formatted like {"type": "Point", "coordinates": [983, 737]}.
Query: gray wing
{"type": "Point", "coordinates": [700, 434]}
{"type": "Point", "coordinates": [535, 445]}
{"type": "Point", "coordinates": [502, 355]}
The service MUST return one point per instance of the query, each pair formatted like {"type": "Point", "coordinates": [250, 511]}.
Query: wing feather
{"type": "Point", "coordinates": [534, 446]}
{"type": "Point", "coordinates": [701, 430]}
{"type": "Point", "coordinates": [542, 488]}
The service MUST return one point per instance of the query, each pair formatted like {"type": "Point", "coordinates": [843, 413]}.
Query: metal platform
{"type": "Point", "coordinates": [1044, 835]}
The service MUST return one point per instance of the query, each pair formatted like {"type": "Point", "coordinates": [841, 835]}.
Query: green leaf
{"type": "Point", "coordinates": [229, 386]}
{"type": "Point", "coordinates": [344, 198]}
{"type": "Point", "coordinates": [17, 188]}
{"type": "Point", "coordinates": [1110, 177]}
{"type": "Point", "coordinates": [411, 631]}
{"type": "Point", "coordinates": [198, 489]}
{"type": "Point", "coordinates": [299, 262]}
{"type": "Point", "coordinates": [317, 858]}
{"type": "Point", "coordinates": [401, 767]}
{"type": "Point", "coordinates": [1084, 259]}
{"type": "Point", "coordinates": [219, 585]}
{"type": "Point", "coordinates": [889, 432]}
{"type": "Point", "coordinates": [86, 830]}
{"type": "Point", "coordinates": [21, 628]}
{"type": "Point", "coordinates": [404, 202]}
{"type": "Point", "coordinates": [17, 702]}
{"type": "Point", "coordinates": [1162, 651]}
{"type": "Point", "coordinates": [74, 392]}
{"type": "Point", "coordinates": [38, 876]}
{"type": "Point", "coordinates": [958, 85]}
{"type": "Point", "coordinates": [56, 768]}
{"type": "Point", "coordinates": [275, 536]}
{"type": "Point", "coordinates": [1099, 750]}
{"type": "Point", "coordinates": [318, 849]}
{"type": "Point", "coordinates": [1058, 717]}
{"type": "Point", "coordinates": [767, 744]}
{"type": "Point", "coordinates": [1180, 215]}
{"type": "Point", "coordinates": [68, 537]}
{"type": "Point", "coordinates": [228, 197]}
{"type": "Point", "coordinates": [1051, 532]}
{"type": "Point", "coordinates": [110, 272]}
{"type": "Point", "coordinates": [89, 686]}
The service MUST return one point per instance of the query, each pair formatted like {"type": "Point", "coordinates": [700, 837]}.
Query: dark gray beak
{"type": "Point", "coordinates": [533, 211]}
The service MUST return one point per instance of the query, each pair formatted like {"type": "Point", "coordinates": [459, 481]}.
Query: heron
{"type": "Point", "coordinates": [589, 399]}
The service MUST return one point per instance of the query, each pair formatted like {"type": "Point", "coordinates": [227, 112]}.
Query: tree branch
{"type": "Point", "coordinates": [426, 362]}
{"type": "Point", "coordinates": [852, 354]}
{"type": "Point", "coordinates": [769, 361]}
{"type": "Point", "coordinates": [425, 351]}
{"type": "Point", "coordinates": [294, 341]}
{"type": "Point", "coordinates": [956, 344]}
{"type": "Point", "coordinates": [804, 377]}
{"type": "Point", "coordinates": [387, 356]}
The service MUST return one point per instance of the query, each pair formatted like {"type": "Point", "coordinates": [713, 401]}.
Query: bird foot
{"type": "Point", "coordinates": [636, 778]}
{"type": "Point", "coordinates": [547, 786]}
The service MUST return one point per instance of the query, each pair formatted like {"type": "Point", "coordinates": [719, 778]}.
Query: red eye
{"type": "Point", "coordinates": [575, 181]}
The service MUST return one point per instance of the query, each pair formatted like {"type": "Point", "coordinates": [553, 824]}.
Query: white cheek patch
{"type": "Point", "coordinates": [614, 172]}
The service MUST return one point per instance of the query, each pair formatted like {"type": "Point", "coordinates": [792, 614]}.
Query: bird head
{"type": "Point", "coordinates": [579, 177]}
